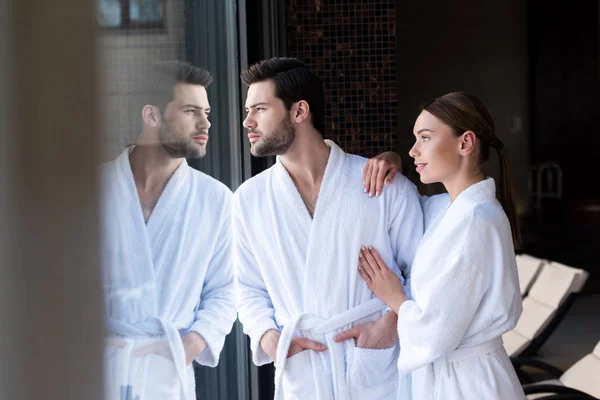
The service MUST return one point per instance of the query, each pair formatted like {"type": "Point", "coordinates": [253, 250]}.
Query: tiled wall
{"type": "Point", "coordinates": [350, 44]}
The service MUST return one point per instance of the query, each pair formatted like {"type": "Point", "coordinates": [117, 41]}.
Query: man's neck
{"type": "Point", "coordinates": [307, 159]}
{"type": "Point", "coordinates": [152, 166]}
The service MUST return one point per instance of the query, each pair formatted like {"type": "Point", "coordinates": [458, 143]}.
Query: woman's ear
{"type": "Point", "coordinates": [467, 143]}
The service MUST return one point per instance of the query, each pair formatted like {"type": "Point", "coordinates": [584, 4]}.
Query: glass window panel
{"type": "Point", "coordinates": [146, 10]}
{"type": "Point", "coordinates": [108, 13]}
{"type": "Point", "coordinates": [138, 34]}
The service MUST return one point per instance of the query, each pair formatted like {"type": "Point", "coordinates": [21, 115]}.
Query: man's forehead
{"type": "Point", "coordinates": [185, 92]}
{"type": "Point", "coordinates": [260, 92]}
{"type": "Point", "coordinates": [182, 87]}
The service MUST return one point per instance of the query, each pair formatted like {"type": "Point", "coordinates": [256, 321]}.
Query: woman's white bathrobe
{"type": "Point", "coordinates": [164, 278]}
{"type": "Point", "coordinates": [465, 295]}
{"type": "Point", "coordinates": [299, 275]}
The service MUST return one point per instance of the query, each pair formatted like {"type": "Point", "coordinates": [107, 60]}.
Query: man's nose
{"type": "Point", "coordinates": [203, 123]}
{"type": "Point", "coordinates": [249, 123]}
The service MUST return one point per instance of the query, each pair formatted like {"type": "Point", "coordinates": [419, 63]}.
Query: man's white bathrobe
{"type": "Point", "coordinates": [299, 275]}
{"type": "Point", "coordinates": [465, 295]}
{"type": "Point", "coordinates": [164, 278]}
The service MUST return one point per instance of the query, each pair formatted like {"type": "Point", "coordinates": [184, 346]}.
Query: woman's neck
{"type": "Point", "coordinates": [461, 181]}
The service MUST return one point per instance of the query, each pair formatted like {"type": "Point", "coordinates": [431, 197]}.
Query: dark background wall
{"type": "Point", "coordinates": [351, 45]}
{"type": "Point", "coordinates": [564, 46]}
{"type": "Point", "coordinates": [565, 69]}
{"type": "Point", "coordinates": [473, 46]}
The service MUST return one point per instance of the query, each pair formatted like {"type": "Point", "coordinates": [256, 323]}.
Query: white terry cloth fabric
{"type": "Point", "coordinates": [299, 275]}
{"type": "Point", "coordinates": [150, 377]}
{"type": "Point", "coordinates": [434, 208]}
{"type": "Point", "coordinates": [465, 296]}
{"type": "Point", "coordinates": [166, 277]}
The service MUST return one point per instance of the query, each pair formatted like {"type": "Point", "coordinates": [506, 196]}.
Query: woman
{"type": "Point", "coordinates": [464, 284]}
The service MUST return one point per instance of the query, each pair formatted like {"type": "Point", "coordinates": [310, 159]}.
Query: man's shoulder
{"type": "Point", "coordinates": [254, 185]}
{"type": "Point", "coordinates": [402, 183]}
{"type": "Point", "coordinates": [210, 184]}
{"type": "Point", "coordinates": [355, 165]}
{"type": "Point", "coordinates": [355, 162]}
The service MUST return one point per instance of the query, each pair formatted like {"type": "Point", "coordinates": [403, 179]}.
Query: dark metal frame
{"type": "Point", "coordinates": [558, 392]}
{"type": "Point", "coordinates": [262, 36]}
{"type": "Point", "coordinates": [212, 41]}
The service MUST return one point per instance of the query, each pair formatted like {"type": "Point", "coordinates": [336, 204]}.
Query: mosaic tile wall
{"type": "Point", "coordinates": [351, 45]}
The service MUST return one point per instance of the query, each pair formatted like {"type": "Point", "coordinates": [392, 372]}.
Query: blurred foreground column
{"type": "Point", "coordinates": [50, 293]}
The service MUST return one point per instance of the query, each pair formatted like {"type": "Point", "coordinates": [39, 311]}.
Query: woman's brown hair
{"type": "Point", "coordinates": [466, 112]}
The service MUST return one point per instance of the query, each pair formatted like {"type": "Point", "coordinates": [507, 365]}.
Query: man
{"type": "Point", "coordinates": [166, 245]}
{"type": "Point", "coordinates": [299, 228]}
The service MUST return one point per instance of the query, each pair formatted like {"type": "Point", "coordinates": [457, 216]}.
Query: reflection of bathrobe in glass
{"type": "Point", "coordinates": [465, 295]}
{"type": "Point", "coordinates": [299, 275]}
{"type": "Point", "coordinates": [164, 278]}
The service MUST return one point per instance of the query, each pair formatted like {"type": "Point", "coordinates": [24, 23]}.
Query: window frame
{"type": "Point", "coordinates": [128, 25]}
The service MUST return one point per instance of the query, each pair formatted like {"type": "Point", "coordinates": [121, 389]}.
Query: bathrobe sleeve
{"type": "Point", "coordinates": [406, 229]}
{"type": "Point", "coordinates": [449, 299]}
{"type": "Point", "coordinates": [216, 314]}
{"type": "Point", "coordinates": [255, 309]}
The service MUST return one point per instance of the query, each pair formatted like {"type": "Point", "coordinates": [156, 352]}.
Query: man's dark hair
{"type": "Point", "coordinates": [158, 82]}
{"type": "Point", "coordinates": [294, 81]}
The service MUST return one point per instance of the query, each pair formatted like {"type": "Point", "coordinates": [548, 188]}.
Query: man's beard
{"type": "Point", "coordinates": [178, 146]}
{"type": "Point", "coordinates": [277, 142]}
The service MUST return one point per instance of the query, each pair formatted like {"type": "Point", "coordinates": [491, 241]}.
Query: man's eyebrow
{"type": "Point", "coordinates": [195, 106]}
{"type": "Point", "coordinates": [262, 103]}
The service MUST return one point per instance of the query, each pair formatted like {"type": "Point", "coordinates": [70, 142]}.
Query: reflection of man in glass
{"type": "Point", "coordinates": [165, 245]}
{"type": "Point", "coordinates": [299, 227]}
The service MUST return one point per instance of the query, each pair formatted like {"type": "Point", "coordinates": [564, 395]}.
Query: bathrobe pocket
{"type": "Point", "coordinates": [298, 377]}
{"type": "Point", "coordinates": [373, 372]}
{"type": "Point", "coordinates": [160, 379]}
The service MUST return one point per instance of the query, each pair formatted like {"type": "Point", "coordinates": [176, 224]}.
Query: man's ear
{"type": "Point", "coordinates": [151, 115]}
{"type": "Point", "coordinates": [300, 111]}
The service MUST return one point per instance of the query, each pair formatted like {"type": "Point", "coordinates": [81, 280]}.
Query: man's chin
{"type": "Point", "coordinates": [259, 152]}
{"type": "Point", "coordinates": [255, 150]}
{"type": "Point", "coordinates": [194, 152]}
{"type": "Point", "coordinates": [197, 154]}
